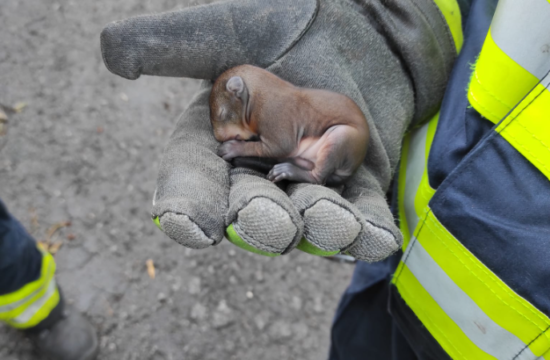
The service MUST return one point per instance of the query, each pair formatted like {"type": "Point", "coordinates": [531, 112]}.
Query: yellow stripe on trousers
{"type": "Point", "coordinates": [32, 303]}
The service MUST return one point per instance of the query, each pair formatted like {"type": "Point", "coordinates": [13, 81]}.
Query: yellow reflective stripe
{"type": "Point", "coordinates": [414, 186]}
{"type": "Point", "coordinates": [451, 338]}
{"type": "Point", "coordinates": [413, 173]}
{"type": "Point", "coordinates": [451, 13]}
{"type": "Point", "coordinates": [38, 310]}
{"type": "Point", "coordinates": [46, 273]}
{"type": "Point", "coordinates": [498, 83]}
{"type": "Point", "coordinates": [425, 191]}
{"type": "Point", "coordinates": [14, 304]}
{"type": "Point", "coordinates": [522, 30]}
{"type": "Point", "coordinates": [514, 57]}
{"type": "Point", "coordinates": [500, 303]}
{"type": "Point", "coordinates": [527, 128]}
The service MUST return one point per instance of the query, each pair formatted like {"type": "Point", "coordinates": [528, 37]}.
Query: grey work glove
{"type": "Point", "coordinates": [392, 58]}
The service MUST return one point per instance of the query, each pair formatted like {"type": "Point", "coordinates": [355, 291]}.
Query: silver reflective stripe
{"type": "Point", "coordinates": [476, 325]}
{"type": "Point", "coordinates": [413, 175]}
{"type": "Point", "coordinates": [10, 307]}
{"type": "Point", "coordinates": [29, 312]}
{"type": "Point", "coordinates": [521, 28]}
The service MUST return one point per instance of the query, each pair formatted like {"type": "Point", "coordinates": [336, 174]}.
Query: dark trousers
{"type": "Point", "coordinates": [363, 328]}
{"type": "Point", "coordinates": [20, 260]}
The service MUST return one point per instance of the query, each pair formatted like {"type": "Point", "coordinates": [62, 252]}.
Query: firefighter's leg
{"type": "Point", "coordinates": [30, 299]}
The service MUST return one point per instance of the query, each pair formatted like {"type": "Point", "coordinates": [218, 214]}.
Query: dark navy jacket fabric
{"type": "Point", "coordinates": [20, 260]}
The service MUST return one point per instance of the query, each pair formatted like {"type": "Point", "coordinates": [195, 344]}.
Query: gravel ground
{"type": "Point", "coordinates": [86, 149]}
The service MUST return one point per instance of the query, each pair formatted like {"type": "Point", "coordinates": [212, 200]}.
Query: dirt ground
{"type": "Point", "coordinates": [86, 149]}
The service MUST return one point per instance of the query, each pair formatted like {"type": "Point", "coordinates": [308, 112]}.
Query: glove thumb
{"type": "Point", "coordinates": [203, 41]}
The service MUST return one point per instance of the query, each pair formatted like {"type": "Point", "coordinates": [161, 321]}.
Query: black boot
{"type": "Point", "coordinates": [65, 335]}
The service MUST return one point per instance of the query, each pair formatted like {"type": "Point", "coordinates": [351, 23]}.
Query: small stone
{"type": "Point", "coordinates": [280, 330]}
{"type": "Point", "coordinates": [223, 315]}
{"type": "Point", "coordinates": [229, 345]}
{"type": "Point", "coordinates": [296, 303]}
{"type": "Point", "coordinates": [123, 97]}
{"type": "Point", "coordinates": [161, 297]}
{"type": "Point", "coordinates": [112, 347]}
{"type": "Point", "coordinates": [249, 294]}
{"type": "Point", "coordinates": [260, 322]}
{"type": "Point", "coordinates": [318, 305]}
{"type": "Point", "coordinates": [176, 287]}
{"type": "Point", "coordinates": [194, 286]}
{"type": "Point", "coordinates": [198, 312]}
{"type": "Point", "coordinates": [103, 342]}
{"type": "Point", "coordinates": [232, 252]}
{"type": "Point", "coordinates": [300, 331]}
{"type": "Point", "coordinates": [233, 280]}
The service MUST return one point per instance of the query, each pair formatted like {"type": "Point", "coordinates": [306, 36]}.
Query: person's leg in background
{"type": "Point", "coordinates": [363, 329]}
{"type": "Point", "coordinates": [31, 301]}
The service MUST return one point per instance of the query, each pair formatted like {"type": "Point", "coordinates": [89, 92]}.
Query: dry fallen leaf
{"type": "Point", "coordinates": [54, 248]}
{"type": "Point", "coordinates": [53, 229]}
{"type": "Point", "coordinates": [18, 107]}
{"type": "Point", "coordinates": [43, 245]}
{"type": "Point", "coordinates": [48, 245]}
{"type": "Point", "coordinates": [150, 268]}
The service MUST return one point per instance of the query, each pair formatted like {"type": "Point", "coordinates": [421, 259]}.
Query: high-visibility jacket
{"type": "Point", "coordinates": [474, 195]}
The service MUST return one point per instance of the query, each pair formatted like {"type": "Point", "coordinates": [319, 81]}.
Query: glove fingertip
{"type": "Point", "coordinates": [309, 248]}
{"type": "Point", "coordinates": [113, 52]}
{"type": "Point", "coordinates": [234, 238]}
{"type": "Point", "coordinates": [376, 244]}
{"type": "Point", "coordinates": [184, 231]}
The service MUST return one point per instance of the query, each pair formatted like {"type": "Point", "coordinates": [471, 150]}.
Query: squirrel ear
{"type": "Point", "coordinates": [235, 85]}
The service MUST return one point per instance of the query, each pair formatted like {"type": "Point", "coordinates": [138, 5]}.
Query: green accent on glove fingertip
{"type": "Point", "coordinates": [156, 220]}
{"type": "Point", "coordinates": [309, 248]}
{"type": "Point", "coordinates": [236, 240]}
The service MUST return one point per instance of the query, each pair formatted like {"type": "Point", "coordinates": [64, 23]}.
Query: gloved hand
{"type": "Point", "coordinates": [391, 60]}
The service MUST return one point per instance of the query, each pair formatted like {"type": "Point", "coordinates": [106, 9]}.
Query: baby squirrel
{"type": "Point", "coordinates": [302, 135]}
